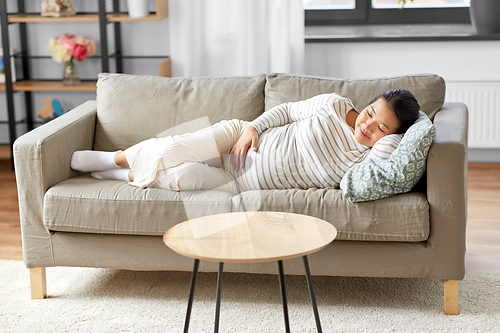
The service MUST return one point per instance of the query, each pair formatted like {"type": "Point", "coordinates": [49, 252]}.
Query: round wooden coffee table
{"type": "Point", "coordinates": [250, 237]}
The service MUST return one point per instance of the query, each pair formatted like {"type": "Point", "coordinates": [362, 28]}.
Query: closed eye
{"type": "Point", "coordinates": [371, 116]}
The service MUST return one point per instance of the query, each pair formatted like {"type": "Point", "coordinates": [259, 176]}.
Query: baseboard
{"type": "Point", "coordinates": [487, 155]}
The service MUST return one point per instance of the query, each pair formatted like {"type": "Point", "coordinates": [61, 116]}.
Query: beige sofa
{"type": "Point", "coordinates": [71, 219]}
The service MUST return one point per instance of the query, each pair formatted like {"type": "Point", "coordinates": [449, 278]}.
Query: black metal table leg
{"type": "Point", "coordinates": [311, 293]}
{"type": "Point", "coordinates": [191, 294]}
{"type": "Point", "coordinates": [283, 296]}
{"type": "Point", "coordinates": [217, 304]}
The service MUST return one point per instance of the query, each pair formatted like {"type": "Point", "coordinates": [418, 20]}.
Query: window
{"type": "Point", "coordinates": [329, 4]}
{"type": "Point", "coordinates": [352, 12]}
{"type": "Point", "coordinates": [420, 3]}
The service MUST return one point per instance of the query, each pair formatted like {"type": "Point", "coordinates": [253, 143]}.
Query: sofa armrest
{"type": "Point", "coordinates": [42, 159]}
{"type": "Point", "coordinates": [447, 187]}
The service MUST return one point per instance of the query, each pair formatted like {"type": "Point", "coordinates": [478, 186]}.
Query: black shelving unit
{"type": "Point", "coordinates": [27, 83]}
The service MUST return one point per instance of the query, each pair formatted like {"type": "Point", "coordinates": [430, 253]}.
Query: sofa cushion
{"type": "Point", "coordinates": [377, 178]}
{"type": "Point", "coordinates": [89, 205]}
{"type": "Point", "coordinates": [403, 218]}
{"type": "Point", "coordinates": [133, 108]}
{"type": "Point", "coordinates": [429, 89]}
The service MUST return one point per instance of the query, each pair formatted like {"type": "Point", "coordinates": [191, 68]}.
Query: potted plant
{"type": "Point", "coordinates": [402, 2]}
{"type": "Point", "coordinates": [138, 8]}
{"type": "Point", "coordinates": [484, 16]}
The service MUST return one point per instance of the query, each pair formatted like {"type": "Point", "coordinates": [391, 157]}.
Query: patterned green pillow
{"type": "Point", "coordinates": [375, 179]}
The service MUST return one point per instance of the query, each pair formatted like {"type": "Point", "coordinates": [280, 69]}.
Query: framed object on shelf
{"type": "Point", "coordinates": [57, 8]}
{"type": "Point", "coordinates": [2, 67]}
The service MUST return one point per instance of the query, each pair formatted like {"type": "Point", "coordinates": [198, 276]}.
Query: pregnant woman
{"type": "Point", "coordinates": [305, 144]}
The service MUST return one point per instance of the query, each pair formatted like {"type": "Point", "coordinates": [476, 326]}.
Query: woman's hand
{"type": "Point", "coordinates": [248, 139]}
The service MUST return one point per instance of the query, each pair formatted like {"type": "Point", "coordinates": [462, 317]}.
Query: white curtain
{"type": "Point", "coordinates": [236, 37]}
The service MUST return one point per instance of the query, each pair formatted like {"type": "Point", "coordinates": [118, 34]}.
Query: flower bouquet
{"type": "Point", "coordinates": [65, 48]}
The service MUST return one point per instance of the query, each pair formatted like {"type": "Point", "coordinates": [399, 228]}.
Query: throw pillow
{"type": "Point", "coordinates": [375, 178]}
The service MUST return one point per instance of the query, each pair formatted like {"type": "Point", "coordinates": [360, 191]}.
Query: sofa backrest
{"type": "Point", "coordinates": [429, 89]}
{"type": "Point", "coordinates": [133, 108]}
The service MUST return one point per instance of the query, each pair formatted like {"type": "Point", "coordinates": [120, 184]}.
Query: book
{"type": "Point", "coordinates": [2, 67]}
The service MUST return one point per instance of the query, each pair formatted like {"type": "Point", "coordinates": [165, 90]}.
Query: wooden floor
{"type": "Point", "coordinates": [483, 229]}
{"type": "Point", "coordinates": [10, 230]}
{"type": "Point", "coordinates": [483, 223]}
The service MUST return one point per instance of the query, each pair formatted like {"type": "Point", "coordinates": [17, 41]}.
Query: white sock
{"type": "Point", "coordinates": [113, 174]}
{"type": "Point", "coordinates": [92, 160]}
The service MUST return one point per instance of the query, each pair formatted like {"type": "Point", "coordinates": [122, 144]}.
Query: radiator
{"type": "Point", "coordinates": [483, 101]}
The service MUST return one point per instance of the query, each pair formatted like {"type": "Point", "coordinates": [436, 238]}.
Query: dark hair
{"type": "Point", "coordinates": [404, 105]}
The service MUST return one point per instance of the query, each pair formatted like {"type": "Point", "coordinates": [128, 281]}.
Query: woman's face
{"type": "Point", "coordinates": [374, 122]}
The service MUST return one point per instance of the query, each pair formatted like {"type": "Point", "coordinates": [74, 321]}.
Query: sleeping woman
{"type": "Point", "coordinates": [305, 144]}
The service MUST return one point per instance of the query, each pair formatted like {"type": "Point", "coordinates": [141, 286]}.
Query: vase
{"type": "Point", "coordinates": [70, 75]}
{"type": "Point", "coordinates": [484, 16]}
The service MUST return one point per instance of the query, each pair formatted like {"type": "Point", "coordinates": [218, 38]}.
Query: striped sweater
{"type": "Point", "coordinates": [305, 144]}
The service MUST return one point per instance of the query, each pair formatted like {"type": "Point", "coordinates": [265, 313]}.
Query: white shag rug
{"type": "Point", "coordinates": [103, 300]}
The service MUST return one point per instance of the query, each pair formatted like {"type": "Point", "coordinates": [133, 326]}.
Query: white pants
{"type": "Point", "coordinates": [192, 161]}
{"type": "Point", "coordinates": [196, 176]}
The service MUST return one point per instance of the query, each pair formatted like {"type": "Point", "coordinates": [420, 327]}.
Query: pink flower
{"type": "Point", "coordinates": [66, 45]}
{"type": "Point", "coordinates": [91, 47]}
{"type": "Point", "coordinates": [65, 36]}
{"type": "Point", "coordinates": [80, 40]}
{"type": "Point", "coordinates": [69, 44]}
{"type": "Point", "coordinates": [80, 52]}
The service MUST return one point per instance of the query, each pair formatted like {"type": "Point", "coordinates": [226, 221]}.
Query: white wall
{"type": "Point", "coordinates": [465, 60]}
{"type": "Point", "coordinates": [454, 61]}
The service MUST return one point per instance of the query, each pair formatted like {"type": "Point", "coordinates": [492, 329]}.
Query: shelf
{"type": "Point", "coordinates": [160, 14]}
{"type": "Point", "coordinates": [31, 18]}
{"type": "Point", "coordinates": [23, 121]}
{"type": "Point", "coordinates": [125, 17]}
{"type": "Point", "coordinates": [38, 18]}
{"type": "Point", "coordinates": [28, 85]}
{"type": "Point", "coordinates": [41, 81]}
{"type": "Point", "coordinates": [394, 32]}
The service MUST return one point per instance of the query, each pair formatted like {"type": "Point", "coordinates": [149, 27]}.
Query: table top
{"type": "Point", "coordinates": [250, 236]}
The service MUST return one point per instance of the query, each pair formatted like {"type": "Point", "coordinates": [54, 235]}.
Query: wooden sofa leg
{"type": "Point", "coordinates": [38, 283]}
{"type": "Point", "coordinates": [450, 297]}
